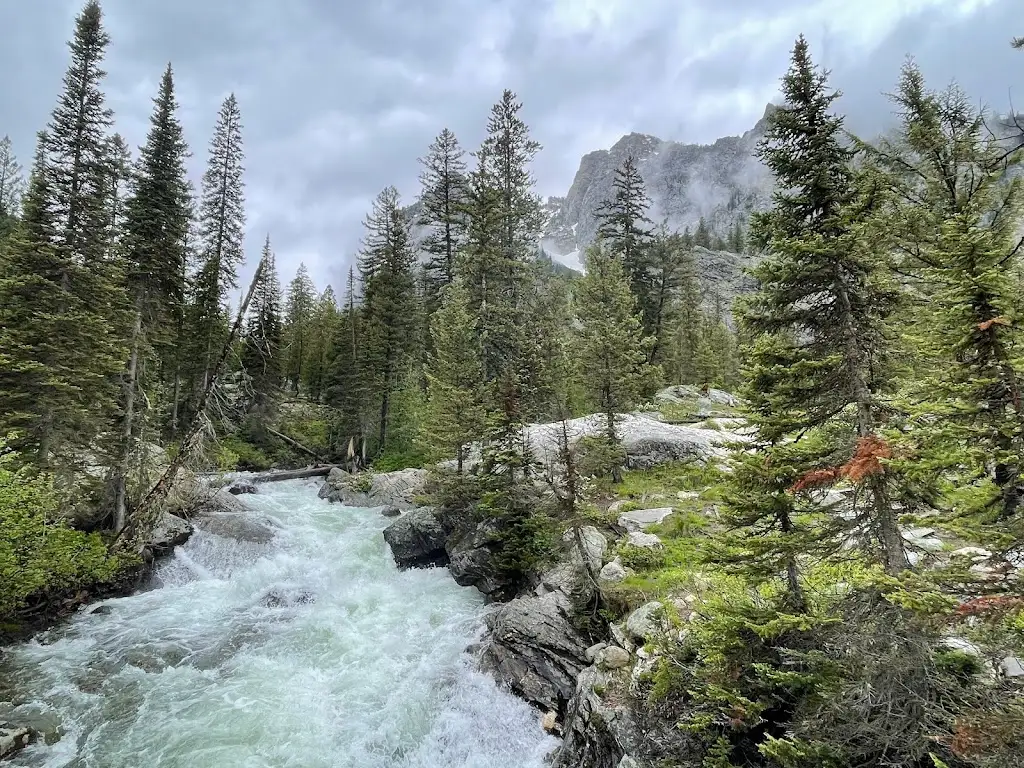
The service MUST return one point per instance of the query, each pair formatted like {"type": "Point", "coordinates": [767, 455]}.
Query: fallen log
{"type": "Point", "coordinates": [293, 474]}
{"type": "Point", "coordinates": [296, 444]}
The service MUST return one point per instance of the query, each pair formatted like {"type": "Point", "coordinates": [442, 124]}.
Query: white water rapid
{"type": "Point", "coordinates": [311, 651]}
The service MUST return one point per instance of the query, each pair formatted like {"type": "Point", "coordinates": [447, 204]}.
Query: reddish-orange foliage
{"type": "Point", "coordinates": [815, 479]}
{"type": "Point", "coordinates": [989, 604]}
{"type": "Point", "coordinates": [866, 460]}
{"type": "Point", "coordinates": [993, 321]}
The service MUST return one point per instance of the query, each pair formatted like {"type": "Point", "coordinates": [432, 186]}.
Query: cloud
{"type": "Point", "coordinates": [340, 99]}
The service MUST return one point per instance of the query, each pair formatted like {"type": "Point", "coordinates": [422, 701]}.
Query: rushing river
{"type": "Point", "coordinates": [310, 651]}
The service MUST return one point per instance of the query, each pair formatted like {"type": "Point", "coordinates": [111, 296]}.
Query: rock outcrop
{"type": "Point", "coordinates": [534, 646]}
{"type": "Point", "coordinates": [535, 650]}
{"type": "Point", "coordinates": [418, 538]}
{"type": "Point", "coordinates": [375, 489]}
{"type": "Point", "coordinates": [647, 441]}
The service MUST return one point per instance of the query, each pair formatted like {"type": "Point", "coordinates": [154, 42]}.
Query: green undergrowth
{"type": "Point", "coordinates": [41, 556]}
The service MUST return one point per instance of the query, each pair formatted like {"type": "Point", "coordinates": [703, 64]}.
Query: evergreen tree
{"type": "Point", "coordinates": [12, 187]}
{"type": "Point", "coordinates": [821, 306]}
{"type": "Point", "coordinates": [261, 355]}
{"type": "Point", "coordinates": [390, 306]}
{"type": "Point", "coordinates": [156, 225]}
{"type": "Point", "coordinates": [322, 329]}
{"type": "Point", "coordinates": [670, 267]}
{"type": "Point", "coordinates": [737, 239]}
{"type": "Point", "coordinates": [624, 227]}
{"type": "Point", "coordinates": [702, 236]}
{"type": "Point", "coordinates": [221, 231]}
{"type": "Point", "coordinates": [33, 380]}
{"type": "Point", "coordinates": [343, 386]}
{"type": "Point", "coordinates": [455, 393]}
{"type": "Point", "coordinates": [957, 223]}
{"type": "Point", "coordinates": [301, 298]}
{"type": "Point", "coordinates": [445, 189]}
{"type": "Point", "coordinates": [613, 348]}
{"type": "Point", "coordinates": [504, 224]}
{"type": "Point", "coordinates": [119, 181]}
{"type": "Point", "coordinates": [65, 245]}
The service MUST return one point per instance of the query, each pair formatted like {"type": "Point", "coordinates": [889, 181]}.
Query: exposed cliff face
{"type": "Point", "coordinates": [723, 182]}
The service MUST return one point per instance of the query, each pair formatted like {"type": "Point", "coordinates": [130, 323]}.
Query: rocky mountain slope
{"type": "Point", "coordinates": [723, 182]}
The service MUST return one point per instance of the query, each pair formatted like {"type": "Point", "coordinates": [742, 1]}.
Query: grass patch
{"type": "Point", "coordinates": [668, 479]}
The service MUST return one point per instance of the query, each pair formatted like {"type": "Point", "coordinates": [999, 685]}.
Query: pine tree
{"type": "Point", "coordinates": [221, 232]}
{"type": "Point", "coordinates": [957, 222]}
{"type": "Point", "coordinates": [612, 348]}
{"type": "Point", "coordinates": [625, 228]}
{"type": "Point", "coordinates": [156, 227]}
{"type": "Point", "coordinates": [390, 306]}
{"type": "Point", "coordinates": [12, 187]}
{"type": "Point", "coordinates": [822, 303]}
{"type": "Point", "coordinates": [455, 392]}
{"type": "Point", "coordinates": [445, 190]}
{"type": "Point", "coordinates": [261, 355]}
{"type": "Point", "coordinates": [322, 329]}
{"type": "Point", "coordinates": [301, 298]}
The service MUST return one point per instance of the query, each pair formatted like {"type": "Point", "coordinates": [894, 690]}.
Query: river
{"type": "Point", "coordinates": [310, 651]}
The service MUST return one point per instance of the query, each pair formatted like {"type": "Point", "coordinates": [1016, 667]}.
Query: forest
{"type": "Point", "coordinates": [879, 354]}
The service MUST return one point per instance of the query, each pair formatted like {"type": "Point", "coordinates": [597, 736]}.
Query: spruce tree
{"type": "Point", "coordinates": [68, 241]}
{"type": "Point", "coordinates": [445, 189]}
{"type": "Point", "coordinates": [221, 230]}
{"type": "Point", "coordinates": [702, 235]}
{"type": "Point", "coordinates": [261, 354]}
{"type": "Point", "coordinates": [669, 268]}
{"type": "Point", "coordinates": [505, 221]}
{"type": "Point", "coordinates": [612, 346]}
{"type": "Point", "coordinates": [957, 220]}
{"type": "Point", "coordinates": [155, 230]}
{"type": "Point", "coordinates": [625, 228]}
{"type": "Point", "coordinates": [390, 306]}
{"type": "Point", "coordinates": [300, 300]}
{"type": "Point", "coordinates": [455, 384]}
{"type": "Point", "coordinates": [822, 303]}
{"type": "Point", "coordinates": [343, 385]}
{"type": "Point", "coordinates": [33, 381]}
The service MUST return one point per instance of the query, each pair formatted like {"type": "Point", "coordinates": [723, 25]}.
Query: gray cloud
{"type": "Point", "coordinates": [340, 98]}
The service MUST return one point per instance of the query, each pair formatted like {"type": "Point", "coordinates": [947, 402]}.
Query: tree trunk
{"type": "Point", "coordinates": [894, 554]}
{"type": "Point", "coordinates": [794, 589]}
{"type": "Point", "coordinates": [385, 406]}
{"type": "Point", "coordinates": [130, 385]}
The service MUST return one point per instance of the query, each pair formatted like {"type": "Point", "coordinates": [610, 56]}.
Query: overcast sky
{"type": "Point", "coordinates": [340, 97]}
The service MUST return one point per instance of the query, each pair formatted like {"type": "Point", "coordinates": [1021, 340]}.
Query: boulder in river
{"type": "Point", "coordinates": [417, 539]}
{"type": "Point", "coordinates": [242, 486]}
{"type": "Point", "coordinates": [472, 560]}
{"type": "Point", "coordinates": [169, 532]}
{"type": "Point", "coordinates": [14, 740]}
{"type": "Point", "coordinates": [376, 489]}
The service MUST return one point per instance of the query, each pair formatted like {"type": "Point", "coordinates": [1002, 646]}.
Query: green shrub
{"type": "Point", "coordinates": [38, 552]}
